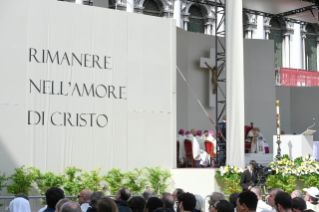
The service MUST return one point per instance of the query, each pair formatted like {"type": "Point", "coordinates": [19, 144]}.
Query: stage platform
{"type": "Point", "coordinates": [200, 181]}
{"type": "Point", "coordinates": [263, 159]}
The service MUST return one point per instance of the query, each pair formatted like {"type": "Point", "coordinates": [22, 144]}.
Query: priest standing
{"type": "Point", "coordinates": [200, 156]}
{"type": "Point", "coordinates": [211, 138]}
{"type": "Point", "coordinates": [181, 138]}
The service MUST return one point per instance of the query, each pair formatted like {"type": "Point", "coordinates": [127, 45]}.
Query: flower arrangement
{"type": "Point", "coordinates": [299, 167]}
{"type": "Point", "coordinates": [285, 174]}
{"type": "Point", "coordinates": [229, 170]}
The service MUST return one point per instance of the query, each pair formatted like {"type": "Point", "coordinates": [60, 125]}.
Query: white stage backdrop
{"type": "Point", "coordinates": [86, 87]}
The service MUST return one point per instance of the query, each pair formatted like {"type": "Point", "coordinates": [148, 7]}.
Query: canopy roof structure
{"type": "Point", "coordinates": [297, 11]}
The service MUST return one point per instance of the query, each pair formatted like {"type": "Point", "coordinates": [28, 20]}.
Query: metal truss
{"type": "Point", "coordinates": [220, 60]}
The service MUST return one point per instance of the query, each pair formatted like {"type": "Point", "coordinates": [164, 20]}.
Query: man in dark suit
{"type": "Point", "coordinates": [221, 143]}
{"type": "Point", "coordinates": [248, 177]}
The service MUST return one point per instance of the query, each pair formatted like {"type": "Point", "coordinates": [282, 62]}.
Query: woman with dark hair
{"type": "Point", "coordinates": [136, 204]}
{"type": "Point", "coordinates": [106, 204]}
{"type": "Point", "coordinates": [153, 203]}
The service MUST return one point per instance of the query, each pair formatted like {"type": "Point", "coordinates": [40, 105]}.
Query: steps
{"type": "Point", "coordinates": [263, 159]}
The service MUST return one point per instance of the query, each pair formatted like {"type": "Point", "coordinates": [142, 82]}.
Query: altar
{"type": "Point", "coordinates": [294, 145]}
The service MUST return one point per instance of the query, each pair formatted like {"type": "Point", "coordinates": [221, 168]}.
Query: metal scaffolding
{"type": "Point", "coordinates": [220, 61]}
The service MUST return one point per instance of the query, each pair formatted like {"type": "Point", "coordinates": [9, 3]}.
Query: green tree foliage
{"type": "Point", "coordinates": [287, 183]}
{"type": "Point", "coordinates": [73, 184]}
{"type": "Point", "coordinates": [310, 181]}
{"type": "Point", "coordinates": [22, 180]}
{"type": "Point", "coordinates": [92, 180]}
{"type": "Point", "coordinates": [158, 178]}
{"type": "Point", "coordinates": [231, 177]}
{"type": "Point", "coordinates": [47, 180]}
{"type": "Point", "coordinates": [114, 178]}
{"type": "Point", "coordinates": [135, 181]}
{"type": "Point", "coordinates": [3, 184]}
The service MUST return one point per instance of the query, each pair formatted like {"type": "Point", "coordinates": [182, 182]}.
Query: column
{"type": "Point", "coordinates": [235, 110]}
{"type": "Point", "coordinates": [303, 51]}
{"type": "Point", "coordinates": [209, 29]}
{"type": "Point", "coordinates": [267, 34]}
{"type": "Point", "coordinates": [248, 34]}
{"type": "Point", "coordinates": [177, 13]}
{"type": "Point", "coordinates": [185, 21]}
{"type": "Point", "coordinates": [79, 1]}
{"type": "Point", "coordinates": [130, 6]}
{"type": "Point", "coordinates": [283, 51]}
{"type": "Point", "coordinates": [266, 27]}
{"type": "Point", "coordinates": [287, 45]}
{"type": "Point", "coordinates": [258, 33]}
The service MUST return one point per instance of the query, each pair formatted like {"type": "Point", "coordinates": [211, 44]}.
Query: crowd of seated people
{"type": "Point", "coordinates": [276, 200]}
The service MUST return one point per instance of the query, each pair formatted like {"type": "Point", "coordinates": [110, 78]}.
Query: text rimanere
{"type": "Point", "coordinates": [64, 89]}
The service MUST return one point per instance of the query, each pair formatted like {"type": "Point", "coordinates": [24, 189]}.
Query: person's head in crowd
{"type": "Point", "coordinates": [95, 197]}
{"type": "Point", "coordinates": [257, 191]}
{"type": "Point", "coordinates": [70, 206]}
{"type": "Point", "coordinates": [148, 194]}
{"type": "Point", "coordinates": [270, 197]}
{"type": "Point", "coordinates": [152, 204]}
{"type": "Point", "coordinates": [123, 194]}
{"type": "Point", "coordinates": [106, 204]}
{"type": "Point", "coordinates": [199, 132]}
{"type": "Point", "coordinates": [216, 196]}
{"type": "Point", "coordinates": [23, 196]}
{"type": "Point", "coordinates": [211, 132]}
{"type": "Point", "coordinates": [206, 133]}
{"type": "Point", "coordinates": [177, 192]}
{"type": "Point", "coordinates": [181, 132]}
{"type": "Point", "coordinates": [60, 203]}
{"type": "Point", "coordinates": [53, 196]}
{"type": "Point", "coordinates": [137, 204]}
{"type": "Point", "coordinates": [186, 202]}
{"type": "Point", "coordinates": [84, 196]}
{"type": "Point", "coordinates": [224, 118]}
{"type": "Point", "coordinates": [221, 206]}
{"type": "Point", "coordinates": [193, 131]}
{"type": "Point", "coordinates": [296, 193]}
{"type": "Point", "coordinates": [251, 164]}
{"type": "Point", "coordinates": [200, 202]}
{"type": "Point", "coordinates": [187, 132]}
{"type": "Point", "coordinates": [168, 200]}
{"type": "Point", "coordinates": [311, 194]}
{"type": "Point", "coordinates": [283, 202]}
{"type": "Point", "coordinates": [19, 204]}
{"type": "Point", "coordinates": [246, 201]}
{"type": "Point", "coordinates": [298, 204]}
{"type": "Point", "coordinates": [233, 199]}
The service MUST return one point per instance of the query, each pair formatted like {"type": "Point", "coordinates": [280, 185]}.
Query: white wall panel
{"type": "Point", "coordinates": [142, 51]}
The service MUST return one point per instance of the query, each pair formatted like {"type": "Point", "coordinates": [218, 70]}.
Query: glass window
{"type": "Point", "coordinates": [152, 8]}
{"type": "Point", "coordinates": [196, 20]}
{"type": "Point", "coordinates": [311, 48]}
{"type": "Point", "coordinates": [276, 35]}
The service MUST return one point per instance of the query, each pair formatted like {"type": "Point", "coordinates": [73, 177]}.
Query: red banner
{"type": "Point", "coordinates": [298, 77]}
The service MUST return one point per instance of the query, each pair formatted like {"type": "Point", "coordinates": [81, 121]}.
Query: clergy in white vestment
{"type": "Point", "coordinates": [198, 153]}
{"type": "Point", "coordinates": [253, 134]}
{"type": "Point", "coordinates": [205, 134]}
{"type": "Point", "coordinates": [212, 139]}
{"type": "Point", "coordinates": [187, 134]}
{"type": "Point", "coordinates": [181, 138]}
{"type": "Point", "coordinates": [19, 204]}
{"type": "Point", "coordinates": [261, 205]}
{"type": "Point", "coordinates": [200, 140]}
{"type": "Point", "coordinates": [262, 144]}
